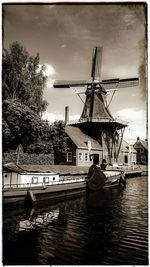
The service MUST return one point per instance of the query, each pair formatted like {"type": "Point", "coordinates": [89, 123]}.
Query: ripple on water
{"type": "Point", "coordinates": [100, 228]}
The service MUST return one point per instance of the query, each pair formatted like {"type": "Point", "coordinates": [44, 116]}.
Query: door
{"type": "Point", "coordinates": [96, 159]}
{"type": "Point", "coordinates": [125, 159]}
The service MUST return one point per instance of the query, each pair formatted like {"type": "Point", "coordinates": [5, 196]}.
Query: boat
{"type": "Point", "coordinates": [99, 179]}
{"type": "Point", "coordinates": [20, 186]}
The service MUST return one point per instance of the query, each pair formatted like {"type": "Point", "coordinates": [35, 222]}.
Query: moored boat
{"type": "Point", "coordinates": [98, 179]}
{"type": "Point", "coordinates": [20, 186]}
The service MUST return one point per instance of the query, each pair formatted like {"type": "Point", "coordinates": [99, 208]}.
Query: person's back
{"type": "Point", "coordinates": [103, 165]}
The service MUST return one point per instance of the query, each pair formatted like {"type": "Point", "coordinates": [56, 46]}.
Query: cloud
{"type": "Point", "coordinates": [49, 71]}
{"type": "Point", "coordinates": [50, 82]}
{"type": "Point", "coordinates": [51, 117]}
{"type": "Point", "coordinates": [136, 123]}
{"type": "Point", "coordinates": [130, 114]}
{"type": "Point", "coordinates": [63, 46]}
{"type": "Point", "coordinates": [74, 117]}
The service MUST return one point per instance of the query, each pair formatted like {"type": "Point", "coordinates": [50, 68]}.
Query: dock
{"type": "Point", "coordinates": [135, 170]}
{"type": "Point", "coordinates": [130, 173]}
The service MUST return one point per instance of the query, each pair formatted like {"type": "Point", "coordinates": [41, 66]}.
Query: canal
{"type": "Point", "coordinates": [101, 228]}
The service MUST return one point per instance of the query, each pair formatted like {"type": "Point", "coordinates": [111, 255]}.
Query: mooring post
{"type": "Point", "coordinates": [30, 197]}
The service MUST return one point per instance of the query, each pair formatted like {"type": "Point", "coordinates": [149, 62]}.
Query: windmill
{"type": "Point", "coordinates": [96, 119]}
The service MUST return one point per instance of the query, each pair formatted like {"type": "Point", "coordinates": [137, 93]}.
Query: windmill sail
{"type": "Point", "coordinates": [107, 84]}
{"type": "Point", "coordinates": [96, 63]}
{"type": "Point", "coordinates": [68, 84]}
{"type": "Point", "coordinates": [120, 83]}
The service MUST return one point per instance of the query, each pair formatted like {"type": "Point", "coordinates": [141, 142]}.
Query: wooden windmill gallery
{"type": "Point", "coordinates": [96, 136]}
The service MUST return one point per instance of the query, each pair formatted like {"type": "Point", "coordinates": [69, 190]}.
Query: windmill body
{"type": "Point", "coordinates": [96, 119]}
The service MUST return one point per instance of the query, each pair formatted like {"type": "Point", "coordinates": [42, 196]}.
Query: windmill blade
{"type": "Point", "coordinates": [96, 63]}
{"type": "Point", "coordinates": [68, 84]}
{"type": "Point", "coordinates": [120, 83]}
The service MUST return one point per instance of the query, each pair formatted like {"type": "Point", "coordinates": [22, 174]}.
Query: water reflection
{"type": "Point", "coordinates": [99, 228]}
{"type": "Point", "coordinates": [41, 220]}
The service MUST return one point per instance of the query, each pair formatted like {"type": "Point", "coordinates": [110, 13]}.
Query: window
{"type": "Point", "coordinates": [34, 180]}
{"type": "Point", "coordinates": [80, 156]}
{"type": "Point", "coordinates": [142, 150]}
{"type": "Point", "coordinates": [143, 158]}
{"type": "Point", "coordinates": [46, 179]}
{"type": "Point", "coordinates": [86, 156]}
{"type": "Point", "coordinates": [69, 156]}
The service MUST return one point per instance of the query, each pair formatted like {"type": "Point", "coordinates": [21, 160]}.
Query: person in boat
{"type": "Point", "coordinates": [103, 165]}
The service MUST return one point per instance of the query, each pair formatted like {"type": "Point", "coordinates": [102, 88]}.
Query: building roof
{"type": "Point", "coordinates": [142, 143]}
{"type": "Point", "coordinates": [126, 147]}
{"type": "Point", "coordinates": [81, 139]}
{"type": "Point", "coordinates": [60, 169]}
{"type": "Point", "coordinates": [12, 167]}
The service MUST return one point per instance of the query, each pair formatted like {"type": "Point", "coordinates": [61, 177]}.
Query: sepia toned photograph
{"type": "Point", "coordinates": [74, 133]}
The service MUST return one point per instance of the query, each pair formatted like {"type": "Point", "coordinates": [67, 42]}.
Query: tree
{"type": "Point", "coordinates": [23, 84]}
{"type": "Point", "coordinates": [22, 78]}
{"type": "Point", "coordinates": [59, 141]}
{"type": "Point", "coordinates": [53, 140]}
{"type": "Point", "coordinates": [23, 126]}
{"type": "Point", "coordinates": [58, 136]}
{"type": "Point", "coordinates": [20, 125]}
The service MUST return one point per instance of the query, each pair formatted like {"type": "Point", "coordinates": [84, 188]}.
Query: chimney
{"type": "Point", "coordinates": [66, 114]}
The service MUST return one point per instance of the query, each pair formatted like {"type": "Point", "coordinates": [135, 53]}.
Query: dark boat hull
{"type": "Point", "coordinates": [53, 193]}
{"type": "Point", "coordinates": [97, 179]}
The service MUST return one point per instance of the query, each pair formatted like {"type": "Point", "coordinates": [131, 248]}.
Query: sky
{"type": "Point", "coordinates": [65, 35]}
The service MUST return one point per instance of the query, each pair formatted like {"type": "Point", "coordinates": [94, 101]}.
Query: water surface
{"type": "Point", "coordinates": [101, 228]}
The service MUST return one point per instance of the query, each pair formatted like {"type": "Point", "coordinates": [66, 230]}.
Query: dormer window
{"type": "Point", "coordinates": [89, 145]}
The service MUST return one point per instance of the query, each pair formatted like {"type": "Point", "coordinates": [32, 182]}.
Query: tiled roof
{"type": "Point", "coordinates": [144, 144]}
{"type": "Point", "coordinates": [60, 169]}
{"type": "Point", "coordinates": [80, 139]}
{"type": "Point", "coordinates": [140, 143]}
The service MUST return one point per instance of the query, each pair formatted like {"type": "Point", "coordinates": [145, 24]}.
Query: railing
{"type": "Point", "coordinates": [44, 185]}
{"type": "Point", "coordinates": [24, 185]}
{"type": "Point", "coordinates": [103, 119]}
